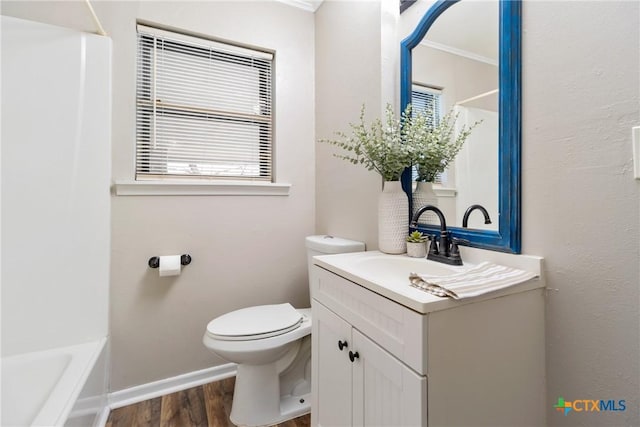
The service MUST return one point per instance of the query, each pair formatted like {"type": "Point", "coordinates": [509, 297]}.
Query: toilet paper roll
{"type": "Point", "coordinates": [170, 265]}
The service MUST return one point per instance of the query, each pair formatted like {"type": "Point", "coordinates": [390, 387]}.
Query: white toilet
{"type": "Point", "coordinates": [272, 346]}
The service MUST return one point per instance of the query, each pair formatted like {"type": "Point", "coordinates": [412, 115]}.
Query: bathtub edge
{"type": "Point", "coordinates": [84, 357]}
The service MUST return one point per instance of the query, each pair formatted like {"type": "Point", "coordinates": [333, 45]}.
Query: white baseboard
{"type": "Point", "coordinates": [143, 392]}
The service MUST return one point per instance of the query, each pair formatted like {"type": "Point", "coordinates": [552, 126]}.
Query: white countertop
{"type": "Point", "coordinates": [385, 275]}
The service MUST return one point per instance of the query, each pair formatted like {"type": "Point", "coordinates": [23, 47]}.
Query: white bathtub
{"type": "Point", "coordinates": [40, 388]}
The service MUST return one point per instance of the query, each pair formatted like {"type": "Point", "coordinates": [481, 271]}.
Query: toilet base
{"type": "Point", "coordinates": [294, 406]}
{"type": "Point", "coordinates": [275, 392]}
{"type": "Point", "coordinates": [257, 400]}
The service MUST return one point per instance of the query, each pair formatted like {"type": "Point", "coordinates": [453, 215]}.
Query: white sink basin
{"type": "Point", "coordinates": [388, 275]}
{"type": "Point", "coordinates": [400, 266]}
{"type": "Point", "coordinates": [389, 271]}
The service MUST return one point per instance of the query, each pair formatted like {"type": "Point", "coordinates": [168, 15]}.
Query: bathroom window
{"type": "Point", "coordinates": [424, 98]}
{"type": "Point", "coordinates": [203, 108]}
{"type": "Point", "coordinates": [429, 100]}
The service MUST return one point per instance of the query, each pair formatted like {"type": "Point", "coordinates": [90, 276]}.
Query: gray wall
{"type": "Point", "coordinates": [348, 75]}
{"type": "Point", "coordinates": [247, 250]}
{"type": "Point", "coordinates": [356, 64]}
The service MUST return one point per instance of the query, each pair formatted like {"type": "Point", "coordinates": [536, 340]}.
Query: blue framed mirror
{"type": "Point", "coordinates": [499, 108]}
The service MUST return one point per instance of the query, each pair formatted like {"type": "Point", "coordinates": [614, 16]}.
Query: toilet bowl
{"type": "Point", "coordinates": [263, 358]}
{"type": "Point", "coordinates": [272, 346]}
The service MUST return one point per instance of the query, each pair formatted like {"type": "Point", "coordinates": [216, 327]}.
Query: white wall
{"type": "Point", "coordinates": [353, 54]}
{"type": "Point", "coordinates": [55, 186]}
{"type": "Point", "coordinates": [476, 168]}
{"type": "Point", "coordinates": [246, 250]}
{"type": "Point", "coordinates": [581, 206]}
{"type": "Point", "coordinates": [580, 203]}
{"type": "Point", "coordinates": [460, 77]}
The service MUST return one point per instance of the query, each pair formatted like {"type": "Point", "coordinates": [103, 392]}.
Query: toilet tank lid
{"type": "Point", "coordinates": [333, 245]}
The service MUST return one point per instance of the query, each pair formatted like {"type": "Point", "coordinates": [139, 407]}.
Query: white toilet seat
{"type": "Point", "coordinates": [232, 349]}
{"type": "Point", "coordinates": [254, 323]}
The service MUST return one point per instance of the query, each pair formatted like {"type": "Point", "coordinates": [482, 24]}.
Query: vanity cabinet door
{"type": "Point", "coordinates": [385, 391]}
{"type": "Point", "coordinates": [331, 369]}
{"type": "Point", "coordinates": [356, 382]}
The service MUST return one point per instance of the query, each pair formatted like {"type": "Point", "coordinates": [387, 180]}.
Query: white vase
{"type": "Point", "coordinates": [424, 195]}
{"type": "Point", "coordinates": [393, 218]}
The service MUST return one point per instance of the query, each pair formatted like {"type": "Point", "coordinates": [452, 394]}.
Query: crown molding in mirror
{"type": "Point", "coordinates": [507, 238]}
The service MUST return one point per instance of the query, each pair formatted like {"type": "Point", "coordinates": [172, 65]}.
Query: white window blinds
{"type": "Point", "coordinates": [427, 99]}
{"type": "Point", "coordinates": [204, 109]}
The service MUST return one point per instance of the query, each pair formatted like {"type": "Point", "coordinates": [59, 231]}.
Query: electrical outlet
{"type": "Point", "coordinates": [635, 138]}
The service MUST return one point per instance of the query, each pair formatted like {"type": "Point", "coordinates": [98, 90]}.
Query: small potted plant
{"type": "Point", "coordinates": [417, 245]}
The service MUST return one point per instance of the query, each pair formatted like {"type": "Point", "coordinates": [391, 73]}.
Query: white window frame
{"type": "Point", "coordinates": [256, 180]}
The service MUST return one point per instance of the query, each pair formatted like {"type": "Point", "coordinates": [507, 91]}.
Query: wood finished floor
{"type": "Point", "coordinates": [206, 405]}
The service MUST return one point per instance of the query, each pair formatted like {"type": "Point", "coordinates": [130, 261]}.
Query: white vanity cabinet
{"type": "Point", "coordinates": [361, 384]}
{"type": "Point", "coordinates": [455, 363]}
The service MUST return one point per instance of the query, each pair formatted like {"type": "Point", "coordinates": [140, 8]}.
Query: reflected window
{"type": "Point", "coordinates": [425, 99]}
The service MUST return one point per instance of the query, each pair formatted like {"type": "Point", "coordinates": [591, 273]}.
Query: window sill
{"type": "Point", "coordinates": [439, 190]}
{"type": "Point", "coordinates": [183, 188]}
{"type": "Point", "coordinates": [444, 191]}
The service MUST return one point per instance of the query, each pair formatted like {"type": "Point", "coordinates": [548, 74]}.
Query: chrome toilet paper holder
{"type": "Point", "coordinates": [154, 262]}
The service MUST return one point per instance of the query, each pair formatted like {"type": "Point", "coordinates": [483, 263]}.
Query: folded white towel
{"type": "Point", "coordinates": [481, 279]}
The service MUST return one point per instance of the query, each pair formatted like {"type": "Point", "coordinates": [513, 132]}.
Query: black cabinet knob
{"type": "Point", "coordinates": [342, 345]}
{"type": "Point", "coordinates": [353, 356]}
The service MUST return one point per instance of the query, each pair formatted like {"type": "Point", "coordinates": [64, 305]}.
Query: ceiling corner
{"type": "Point", "coordinates": [308, 5]}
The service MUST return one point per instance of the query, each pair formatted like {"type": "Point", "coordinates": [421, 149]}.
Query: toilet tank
{"type": "Point", "coordinates": [326, 245]}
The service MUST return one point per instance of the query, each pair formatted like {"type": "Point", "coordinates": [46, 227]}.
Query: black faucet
{"type": "Point", "coordinates": [465, 218]}
{"type": "Point", "coordinates": [443, 250]}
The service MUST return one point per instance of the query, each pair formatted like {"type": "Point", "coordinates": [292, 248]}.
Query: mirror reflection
{"type": "Point", "coordinates": [455, 66]}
